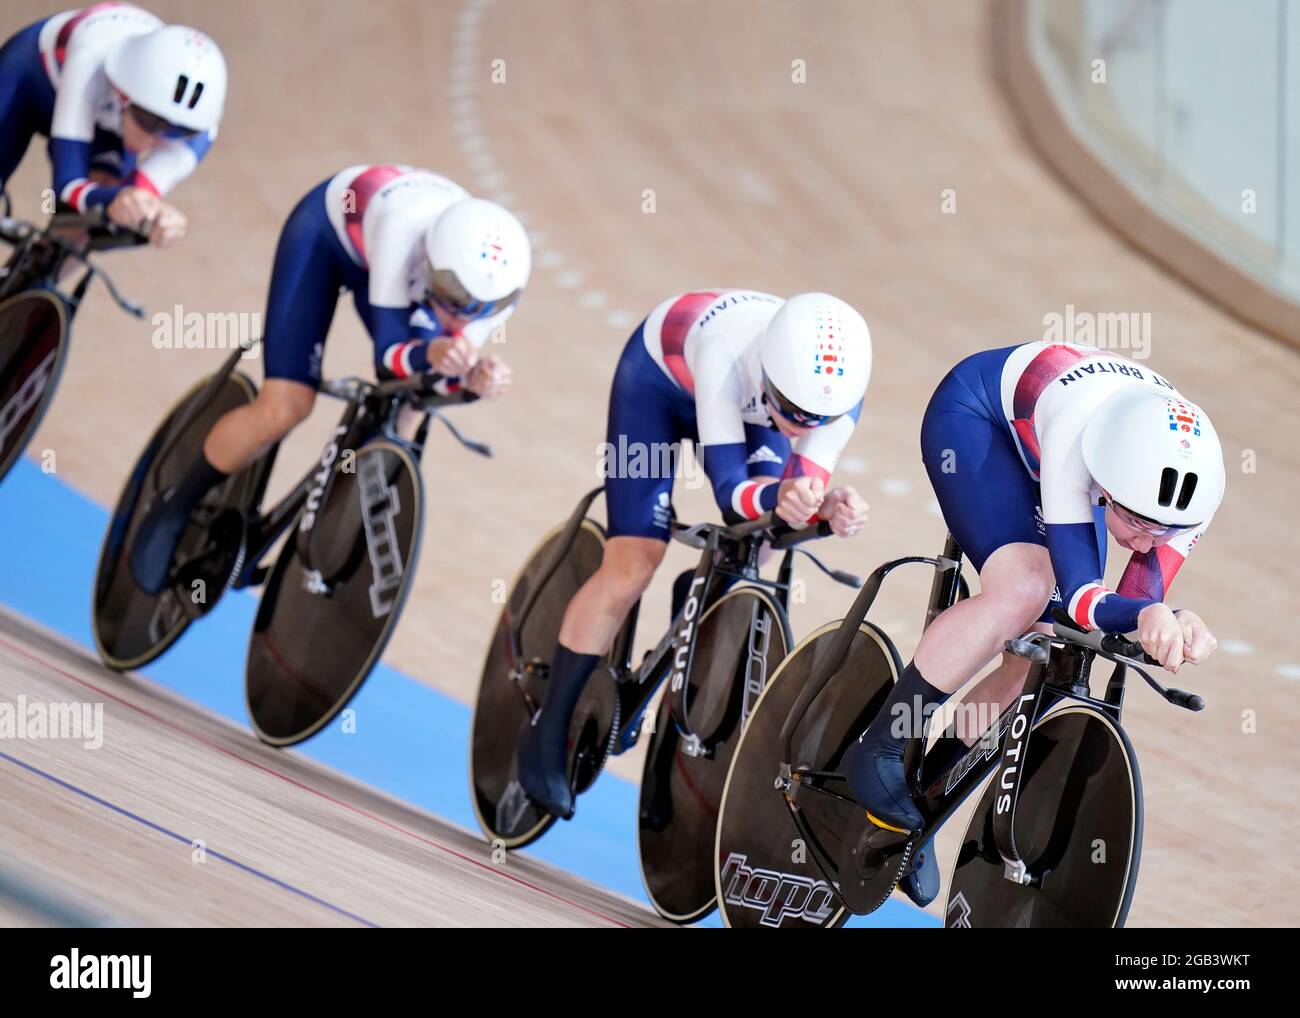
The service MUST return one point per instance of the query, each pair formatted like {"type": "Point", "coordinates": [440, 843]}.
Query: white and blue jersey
{"type": "Point", "coordinates": [52, 83]}
{"type": "Point", "coordinates": [361, 230]}
{"type": "Point", "coordinates": [1002, 443]}
{"type": "Point", "coordinates": [692, 370]}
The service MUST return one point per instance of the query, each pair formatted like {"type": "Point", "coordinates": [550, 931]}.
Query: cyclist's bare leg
{"type": "Point", "coordinates": [236, 438]}
{"type": "Point", "coordinates": [246, 432]}
{"type": "Point", "coordinates": [992, 694]}
{"type": "Point", "coordinates": [1015, 584]}
{"type": "Point", "coordinates": [598, 609]}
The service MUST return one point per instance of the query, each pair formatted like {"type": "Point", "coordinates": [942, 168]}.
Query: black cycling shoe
{"type": "Point", "coordinates": [544, 780]}
{"type": "Point", "coordinates": [879, 782]}
{"type": "Point", "coordinates": [922, 882]}
{"type": "Point", "coordinates": [543, 747]}
{"type": "Point", "coordinates": [155, 541]}
{"type": "Point", "coordinates": [160, 531]}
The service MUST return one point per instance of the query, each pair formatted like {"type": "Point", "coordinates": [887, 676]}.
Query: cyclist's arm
{"type": "Point", "coordinates": [1149, 575]}
{"type": "Point", "coordinates": [817, 452]}
{"type": "Point", "coordinates": [1072, 537]}
{"type": "Point", "coordinates": [72, 133]}
{"type": "Point", "coordinates": [401, 338]}
{"type": "Point", "coordinates": [721, 426]}
{"type": "Point", "coordinates": [164, 167]}
{"type": "Point", "coordinates": [392, 250]}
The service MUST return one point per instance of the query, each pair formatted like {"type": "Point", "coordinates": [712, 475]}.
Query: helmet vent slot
{"type": "Point", "coordinates": [1168, 483]}
{"type": "Point", "coordinates": [182, 83]}
{"type": "Point", "coordinates": [1189, 489]}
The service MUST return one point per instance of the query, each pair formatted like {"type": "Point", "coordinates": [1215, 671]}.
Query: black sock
{"type": "Point", "coordinates": [568, 677]}
{"type": "Point", "coordinates": [201, 478]}
{"type": "Point", "coordinates": [894, 725]}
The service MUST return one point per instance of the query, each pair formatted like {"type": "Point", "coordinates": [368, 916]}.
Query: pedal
{"type": "Point", "coordinates": [874, 860]}
{"type": "Point", "coordinates": [214, 566]}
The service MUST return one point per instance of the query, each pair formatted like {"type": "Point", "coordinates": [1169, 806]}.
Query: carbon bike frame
{"type": "Point", "coordinates": [726, 553]}
{"type": "Point", "coordinates": [371, 409]}
{"type": "Point", "coordinates": [729, 553]}
{"type": "Point", "coordinates": [1060, 670]}
{"type": "Point", "coordinates": [39, 255]}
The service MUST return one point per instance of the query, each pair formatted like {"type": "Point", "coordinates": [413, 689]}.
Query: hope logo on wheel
{"type": "Point", "coordinates": [777, 895]}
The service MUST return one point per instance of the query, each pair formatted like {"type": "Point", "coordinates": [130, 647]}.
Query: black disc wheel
{"type": "Point", "coordinates": [326, 616]}
{"type": "Point", "coordinates": [742, 639]}
{"type": "Point", "coordinates": [769, 872]}
{"type": "Point", "coordinates": [1078, 828]}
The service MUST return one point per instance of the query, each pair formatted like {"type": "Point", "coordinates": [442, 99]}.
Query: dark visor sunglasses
{"type": "Point", "coordinates": [155, 125]}
{"type": "Point", "coordinates": [447, 292]}
{"type": "Point", "coordinates": [791, 412]}
{"type": "Point", "coordinates": [1144, 524]}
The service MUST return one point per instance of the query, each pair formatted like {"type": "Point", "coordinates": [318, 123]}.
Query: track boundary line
{"type": "Point", "coordinates": [349, 807]}
{"type": "Point", "coordinates": [159, 828]}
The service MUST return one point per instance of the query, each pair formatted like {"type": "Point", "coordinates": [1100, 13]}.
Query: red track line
{"type": "Point", "coordinates": [218, 747]}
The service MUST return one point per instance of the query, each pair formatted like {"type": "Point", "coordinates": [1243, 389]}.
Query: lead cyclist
{"type": "Point", "coordinates": [130, 106]}
{"type": "Point", "coordinates": [1036, 453]}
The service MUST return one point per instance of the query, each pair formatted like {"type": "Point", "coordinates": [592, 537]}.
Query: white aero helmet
{"type": "Point", "coordinates": [1156, 455]}
{"type": "Point", "coordinates": [816, 356]}
{"type": "Point", "coordinates": [175, 73]}
{"type": "Point", "coordinates": [479, 258]}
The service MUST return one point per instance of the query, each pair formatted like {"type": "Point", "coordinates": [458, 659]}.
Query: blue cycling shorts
{"type": "Point", "coordinates": [26, 97]}
{"type": "Point", "coordinates": [311, 267]}
{"type": "Point", "coordinates": [649, 413]}
{"type": "Point", "coordinates": [988, 497]}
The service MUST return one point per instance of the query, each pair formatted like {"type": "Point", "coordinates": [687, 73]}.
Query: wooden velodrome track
{"type": "Point", "coordinates": [833, 184]}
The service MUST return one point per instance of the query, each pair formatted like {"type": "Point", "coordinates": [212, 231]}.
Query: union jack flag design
{"type": "Point", "coordinates": [1183, 417]}
{"type": "Point", "coordinates": [829, 356]}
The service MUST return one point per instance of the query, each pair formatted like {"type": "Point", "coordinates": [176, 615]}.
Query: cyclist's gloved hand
{"type": "Point", "coordinates": [845, 510]}
{"type": "Point", "coordinates": [452, 356]}
{"type": "Point", "coordinates": [489, 378]}
{"type": "Point", "coordinates": [1161, 636]}
{"type": "Point", "coordinates": [135, 208]}
{"type": "Point", "coordinates": [799, 498]}
{"type": "Point", "coordinates": [1198, 642]}
{"type": "Point", "coordinates": [169, 226]}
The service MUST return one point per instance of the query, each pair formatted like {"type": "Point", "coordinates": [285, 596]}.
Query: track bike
{"type": "Point", "coordinates": [332, 598]}
{"type": "Point", "coordinates": [36, 315]}
{"type": "Point", "coordinates": [728, 634]}
{"type": "Point", "coordinates": [795, 850]}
